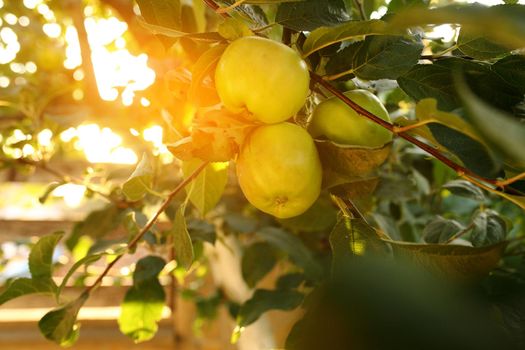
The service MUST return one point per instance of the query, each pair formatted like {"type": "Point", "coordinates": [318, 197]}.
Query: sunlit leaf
{"type": "Point", "coordinates": [326, 36]}
{"type": "Point", "coordinates": [206, 190]}
{"type": "Point", "coordinates": [139, 183]}
{"type": "Point", "coordinates": [181, 240]}
{"type": "Point", "coordinates": [24, 286]}
{"type": "Point", "coordinates": [501, 23]}
{"type": "Point", "coordinates": [41, 256]}
{"type": "Point", "coordinates": [144, 301]}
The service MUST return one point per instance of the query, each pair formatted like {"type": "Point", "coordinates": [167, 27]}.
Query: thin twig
{"type": "Point", "coordinates": [360, 7]}
{"type": "Point", "coordinates": [150, 223]}
{"type": "Point", "coordinates": [213, 5]}
{"type": "Point", "coordinates": [60, 176]}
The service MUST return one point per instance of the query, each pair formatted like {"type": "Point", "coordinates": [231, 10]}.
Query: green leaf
{"type": "Point", "coordinates": [502, 23]}
{"type": "Point", "coordinates": [440, 230]}
{"type": "Point", "coordinates": [207, 189]}
{"type": "Point", "coordinates": [100, 222]}
{"type": "Point", "coordinates": [140, 181]}
{"type": "Point", "coordinates": [427, 111]}
{"type": "Point", "coordinates": [147, 269]}
{"type": "Point", "coordinates": [326, 36]}
{"type": "Point", "coordinates": [166, 13]}
{"type": "Point", "coordinates": [399, 5]}
{"type": "Point", "coordinates": [24, 286]}
{"type": "Point", "coordinates": [201, 230]}
{"type": "Point", "coordinates": [143, 303]}
{"type": "Point", "coordinates": [232, 29]}
{"type": "Point", "coordinates": [294, 247]}
{"type": "Point", "coordinates": [60, 325]}
{"type": "Point", "coordinates": [321, 216]}
{"type": "Point", "coordinates": [310, 14]}
{"type": "Point", "coordinates": [257, 261]}
{"type": "Point", "coordinates": [512, 70]}
{"type": "Point", "coordinates": [489, 228]}
{"type": "Point", "coordinates": [503, 130]}
{"type": "Point", "coordinates": [208, 37]}
{"type": "Point", "coordinates": [430, 80]}
{"type": "Point", "coordinates": [452, 260]}
{"type": "Point", "coordinates": [264, 300]}
{"type": "Point", "coordinates": [465, 189]}
{"type": "Point", "coordinates": [181, 240]}
{"type": "Point", "coordinates": [473, 154]}
{"type": "Point", "coordinates": [377, 57]}
{"type": "Point", "coordinates": [478, 47]}
{"type": "Point", "coordinates": [41, 256]}
{"type": "Point", "coordinates": [240, 223]}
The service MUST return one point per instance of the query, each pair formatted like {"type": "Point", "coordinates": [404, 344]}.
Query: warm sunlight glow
{"type": "Point", "coordinates": [99, 145]}
{"type": "Point", "coordinates": [115, 69]}
{"type": "Point", "coordinates": [154, 134]}
{"type": "Point", "coordinates": [9, 45]}
{"type": "Point", "coordinates": [71, 193]}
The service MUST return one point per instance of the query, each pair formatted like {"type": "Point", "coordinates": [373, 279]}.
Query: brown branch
{"type": "Point", "coordinates": [215, 7]}
{"type": "Point", "coordinates": [391, 127]}
{"type": "Point", "coordinates": [150, 223]}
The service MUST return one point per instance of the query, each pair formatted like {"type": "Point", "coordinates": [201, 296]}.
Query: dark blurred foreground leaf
{"type": "Point", "coordinates": [380, 304]}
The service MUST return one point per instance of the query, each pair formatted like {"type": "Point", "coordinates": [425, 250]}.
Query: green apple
{"type": "Point", "coordinates": [338, 122]}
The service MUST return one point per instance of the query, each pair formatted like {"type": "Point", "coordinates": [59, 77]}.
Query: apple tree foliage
{"type": "Point", "coordinates": [415, 245]}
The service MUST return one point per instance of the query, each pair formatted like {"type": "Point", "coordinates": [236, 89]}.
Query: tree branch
{"type": "Point", "coordinates": [150, 223]}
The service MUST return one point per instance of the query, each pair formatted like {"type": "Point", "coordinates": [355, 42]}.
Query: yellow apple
{"type": "Point", "coordinates": [279, 170]}
{"type": "Point", "coordinates": [264, 77]}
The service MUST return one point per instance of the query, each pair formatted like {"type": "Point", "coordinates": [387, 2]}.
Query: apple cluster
{"type": "Point", "coordinates": [278, 165]}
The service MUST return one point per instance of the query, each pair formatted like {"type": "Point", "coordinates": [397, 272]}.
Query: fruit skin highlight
{"type": "Point", "coordinates": [279, 170]}
{"type": "Point", "coordinates": [339, 123]}
{"type": "Point", "coordinates": [263, 76]}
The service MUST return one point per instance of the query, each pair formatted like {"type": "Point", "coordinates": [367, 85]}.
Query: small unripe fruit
{"type": "Point", "coordinates": [341, 124]}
